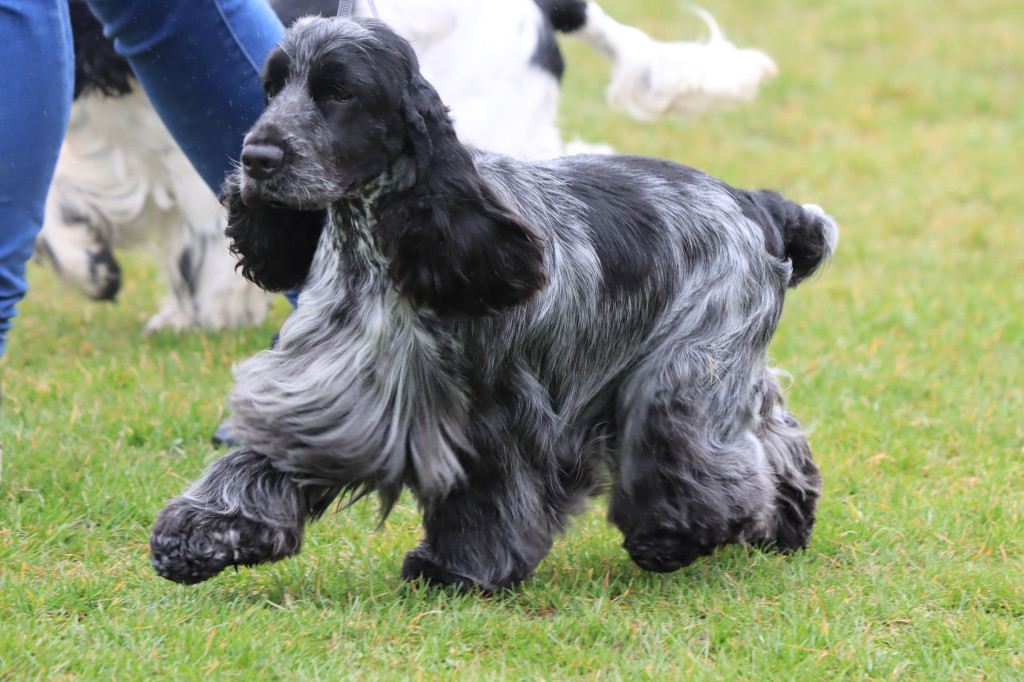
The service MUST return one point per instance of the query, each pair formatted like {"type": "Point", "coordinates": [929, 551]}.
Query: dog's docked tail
{"type": "Point", "coordinates": [805, 235]}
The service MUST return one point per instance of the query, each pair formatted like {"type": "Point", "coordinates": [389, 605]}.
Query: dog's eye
{"type": "Point", "coordinates": [340, 94]}
{"type": "Point", "coordinates": [268, 94]}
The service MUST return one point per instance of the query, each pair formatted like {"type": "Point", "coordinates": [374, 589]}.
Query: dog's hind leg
{"type": "Point", "coordinates": [487, 535]}
{"type": "Point", "coordinates": [797, 479]}
{"type": "Point", "coordinates": [493, 530]}
{"type": "Point", "coordinates": [241, 512]}
{"type": "Point", "coordinates": [691, 474]}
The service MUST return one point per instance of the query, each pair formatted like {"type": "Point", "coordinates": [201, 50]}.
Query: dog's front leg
{"type": "Point", "coordinates": [241, 512]}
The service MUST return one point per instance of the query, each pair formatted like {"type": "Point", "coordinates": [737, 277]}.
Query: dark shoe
{"type": "Point", "coordinates": [225, 436]}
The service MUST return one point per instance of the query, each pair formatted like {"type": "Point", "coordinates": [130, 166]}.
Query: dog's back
{"type": "Point", "coordinates": [637, 210]}
{"type": "Point", "coordinates": [642, 255]}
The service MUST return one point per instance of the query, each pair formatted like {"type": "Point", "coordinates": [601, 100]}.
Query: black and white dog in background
{"type": "Point", "coordinates": [503, 338]}
{"type": "Point", "coordinates": [121, 182]}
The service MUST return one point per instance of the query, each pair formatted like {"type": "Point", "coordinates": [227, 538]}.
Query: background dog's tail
{"type": "Point", "coordinates": [652, 78]}
{"type": "Point", "coordinates": [805, 235]}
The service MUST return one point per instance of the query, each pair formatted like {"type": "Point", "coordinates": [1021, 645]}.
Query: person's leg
{"type": "Point", "coordinates": [199, 62]}
{"type": "Point", "coordinates": [37, 55]}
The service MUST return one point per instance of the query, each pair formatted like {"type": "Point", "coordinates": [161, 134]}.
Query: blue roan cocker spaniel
{"type": "Point", "coordinates": [502, 338]}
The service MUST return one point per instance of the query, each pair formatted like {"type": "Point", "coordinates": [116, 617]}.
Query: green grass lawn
{"type": "Point", "coordinates": [904, 120]}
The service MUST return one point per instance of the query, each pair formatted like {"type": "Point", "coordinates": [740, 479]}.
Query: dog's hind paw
{"type": "Point", "coordinates": [792, 529]}
{"type": "Point", "coordinates": [419, 566]}
{"type": "Point", "coordinates": [665, 552]}
{"type": "Point", "coordinates": [190, 545]}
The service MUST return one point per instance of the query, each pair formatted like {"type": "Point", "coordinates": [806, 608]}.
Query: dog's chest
{"type": "Point", "coordinates": [351, 298]}
{"type": "Point", "coordinates": [381, 379]}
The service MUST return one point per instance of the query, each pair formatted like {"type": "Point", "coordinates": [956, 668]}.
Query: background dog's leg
{"type": "Point", "coordinates": [241, 512]}
{"type": "Point", "coordinates": [691, 475]}
{"type": "Point", "coordinates": [80, 254]}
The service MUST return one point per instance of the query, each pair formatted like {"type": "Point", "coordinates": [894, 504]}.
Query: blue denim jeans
{"type": "Point", "coordinates": [36, 59]}
{"type": "Point", "coordinates": [197, 60]}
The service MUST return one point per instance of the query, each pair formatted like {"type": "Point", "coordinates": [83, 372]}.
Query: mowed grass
{"type": "Point", "coordinates": [904, 121]}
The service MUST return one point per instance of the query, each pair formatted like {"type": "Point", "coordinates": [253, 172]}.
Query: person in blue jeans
{"type": "Point", "coordinates": [197, 60]}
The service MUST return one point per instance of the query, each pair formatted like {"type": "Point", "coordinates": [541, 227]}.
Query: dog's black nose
{"type": "Point", "coordinates": [260, 161]}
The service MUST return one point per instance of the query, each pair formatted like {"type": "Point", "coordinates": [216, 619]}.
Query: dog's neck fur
{"type": "Point", "coordinates": [354, 219]}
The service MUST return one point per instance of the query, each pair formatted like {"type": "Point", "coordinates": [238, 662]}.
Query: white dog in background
{"type": "Point", "coordinates": [121, 182]}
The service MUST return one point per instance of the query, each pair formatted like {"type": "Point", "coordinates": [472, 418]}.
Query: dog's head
{"type": "Point", "coordinates": [345, 101]}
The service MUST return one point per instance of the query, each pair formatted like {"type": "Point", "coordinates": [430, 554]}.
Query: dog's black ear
{"type": "Point", "coordinates": [465, 256]}
{"type": "Point", "coordinates": [454, 246]}
{"type": "Point", "coordinates": [274, 245]}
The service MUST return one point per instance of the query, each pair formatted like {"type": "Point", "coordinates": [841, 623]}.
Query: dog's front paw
{"type": "Point", "coordinates": [190, 545]}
